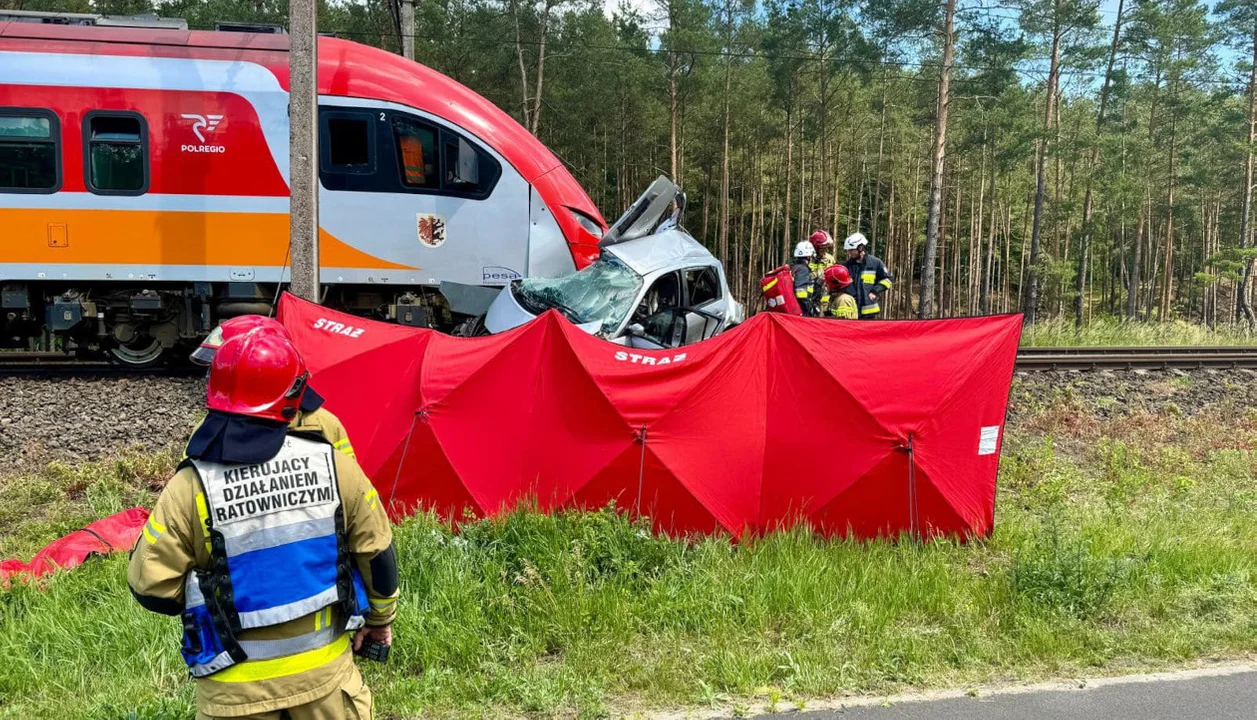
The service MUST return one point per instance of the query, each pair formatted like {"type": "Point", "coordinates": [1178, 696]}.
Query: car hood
{"type": "Point", "coordinates": [506, 313]}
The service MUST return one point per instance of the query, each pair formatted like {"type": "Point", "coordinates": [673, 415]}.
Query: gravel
{"type": "Point", "coordinates": [1117, 393]}
{"type": "Point", "coordinates": [44, 419]}
{"type": "Point", "coordinates": [88, 418]}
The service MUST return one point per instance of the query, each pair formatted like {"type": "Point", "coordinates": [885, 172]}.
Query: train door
{"type": "Point", "coordinates": [426, 199]}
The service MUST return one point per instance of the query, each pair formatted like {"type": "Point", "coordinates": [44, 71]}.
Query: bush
{"type": "Point", "coordinates": [1059, 571]}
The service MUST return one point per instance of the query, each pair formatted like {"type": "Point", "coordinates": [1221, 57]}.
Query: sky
{"type": "Point", "coordinates": [1227, 57]}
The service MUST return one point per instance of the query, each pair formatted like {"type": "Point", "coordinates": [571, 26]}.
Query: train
{"type": "Point", "coordinates": [144, 185]}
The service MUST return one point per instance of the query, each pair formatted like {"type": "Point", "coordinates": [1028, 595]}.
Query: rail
{"type": "Point", "coordinates": [1029, 359]}
{"type": "Point", "coordinates": [1135, 358]}
{"type": "Point", "coordinates": [53, 364]}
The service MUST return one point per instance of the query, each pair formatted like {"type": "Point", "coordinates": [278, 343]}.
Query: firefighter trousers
{"type": "Point", "coordinates": [351, 701]}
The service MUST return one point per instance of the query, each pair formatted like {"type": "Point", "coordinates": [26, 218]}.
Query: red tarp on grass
{"type": "Point", "coordinates": [116, 533]}
{"type": "Point", "coordinates": [872, 428]}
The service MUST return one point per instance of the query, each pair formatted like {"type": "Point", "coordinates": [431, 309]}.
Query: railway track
{"type": "Point", "coordinates": [51, 364]}
{"type": "Point", "coordinates": [1029, 359]}
{"type": "Point", "coordinates": [1135, 358]}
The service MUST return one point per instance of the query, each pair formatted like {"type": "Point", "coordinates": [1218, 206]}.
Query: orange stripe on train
{"type": "Point", "coordinates": [154, 237]}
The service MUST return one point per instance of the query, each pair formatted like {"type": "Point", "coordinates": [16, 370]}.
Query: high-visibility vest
{"type": "Point", "coordinates": [276, 532]}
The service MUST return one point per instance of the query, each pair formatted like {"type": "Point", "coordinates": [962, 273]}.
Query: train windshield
{"type": "Point", "coordinates": [604, 292]}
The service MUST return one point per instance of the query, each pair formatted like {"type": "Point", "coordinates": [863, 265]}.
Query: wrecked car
{"type": "Point", "coordinates": [654, 286]}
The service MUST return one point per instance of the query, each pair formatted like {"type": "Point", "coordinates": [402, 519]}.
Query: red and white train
{"type": "Point", "coordinates": [144, 185]}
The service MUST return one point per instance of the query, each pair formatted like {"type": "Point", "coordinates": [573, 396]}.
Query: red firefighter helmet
{"type": "Point", "coordinates": [837, 277]}
{"type": "Point", "coordinates": [230, 328]}
{"type": "Point", "coordinates": [820, 240]}
{"type": "Point", "coordinates": [258, 374]}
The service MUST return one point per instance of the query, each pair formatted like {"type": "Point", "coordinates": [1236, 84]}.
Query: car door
{"type": "Point", "coordinates": [703, 294]}
{"type": "Point", "coordinates": [653, 323]}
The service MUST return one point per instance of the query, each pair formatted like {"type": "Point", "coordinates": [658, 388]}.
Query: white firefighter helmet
{"type": "Point", "coordinates": [855, 240]}
{"type": "Point", "coordinates": [804, 250]}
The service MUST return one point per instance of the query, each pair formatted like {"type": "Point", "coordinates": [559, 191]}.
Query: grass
{"type": "Point", "coordinates": [1120, 545]}
{"type": "Point", "coordinates": [1113, 332]}
{"type": "Point", "coordinates": [61, 497]}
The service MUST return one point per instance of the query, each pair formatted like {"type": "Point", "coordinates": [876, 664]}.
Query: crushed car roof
{"type": "Point", "coordinates": [673, 248]}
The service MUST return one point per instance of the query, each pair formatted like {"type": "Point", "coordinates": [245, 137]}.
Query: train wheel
{"type": "Point", "coordinates": [143, 351]}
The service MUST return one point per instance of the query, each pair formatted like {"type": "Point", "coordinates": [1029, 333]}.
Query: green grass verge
{"type": "Point", "coordinates": [1118, 546]}
{"type": "Point", "coordinates": [1114, 332]}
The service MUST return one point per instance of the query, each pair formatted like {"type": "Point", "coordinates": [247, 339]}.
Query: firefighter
{"type": "Point", "coordinates": [842, 301]}
{"type": "Point", "coordinates": [313, 417]}
{"type": "Point", "coordinates": [869, 276]}
{"type": "Point", "coordinates": [804, 280]}
{"type": "Point", "coordinates": [823, 244]}
{"type": "Point", "coordinates": [272, 548]}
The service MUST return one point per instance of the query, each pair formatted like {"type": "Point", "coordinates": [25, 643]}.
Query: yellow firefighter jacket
{"type": "Point", "coordinates": [325, 424]}
{"type": "Point", "coordinates": [843, 306]}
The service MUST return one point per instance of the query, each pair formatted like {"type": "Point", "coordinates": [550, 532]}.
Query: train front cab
{"type": "Point", "coordinates": [430, 199]}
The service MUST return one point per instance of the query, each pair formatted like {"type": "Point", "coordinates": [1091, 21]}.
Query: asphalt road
{"type": "Point", "coordinates": [1210, 697]}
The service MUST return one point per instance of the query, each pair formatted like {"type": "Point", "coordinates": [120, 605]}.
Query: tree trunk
{"type": "Point", "coordinates": [706, 206]}
{"type": "Point", "coordinates": [1007, 290]}
{"type": "Point", "coordinates": [523, 72]}
{"type": "Point", "coordinates": [772, 228]}
{"type": "Point", "coordinates": [1167, 286]}
{"type": "Point", "coordinates": [672, 92]}
{"type": "Point", "coordinates": [789, 168]}
{"type": "Point", "coordinates": [975, 296]}
{"type": "Point", "coordinates": [1025, 240]}
{"type": "Point", "coordinates": [1088, 223]}
{"type": "Point", "coordinates": [890, 234]}
{"type": "Point", "coordinates": [950, 288]}
{"type": "Point", "coordinates": [926, 309]}
{"type": "Point", "coordinates": [762, 240]}
{"type": "Point", "coordinates": [672, 140]}
{"type": "Point", "coordinates": [541, 69]}
{"type": "Point", "coordinates": [802, 187]}
{"type": "Point", "coordinates": [875, 225]}
{"type": "Point", "coordinates": [984, 304]}
{"type": "Point", "coordinates": [1244, 311]}
{"type": "Point", "coordinates": [1132, 298]}
{"type": "Point", "coordinates": [723, 241]}
{"type": "Point", "coordinates": [1040, 191]}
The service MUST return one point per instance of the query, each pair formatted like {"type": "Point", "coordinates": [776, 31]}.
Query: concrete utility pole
{"type": "Point", "coordinates": [408, 29]}
{"type": "Point", "coordinates": [303, 147]}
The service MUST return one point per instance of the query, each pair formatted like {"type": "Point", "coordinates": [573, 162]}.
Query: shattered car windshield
{"type": "Point", "coordinates": [603, 292]}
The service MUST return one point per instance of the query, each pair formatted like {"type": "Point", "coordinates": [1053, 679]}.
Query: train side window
{"type": "Point", "coordinates": [29, 151]}
{"type": "Point", "coordinates": [350, 143]}
{"type": "Point", "coordinates": [416, 153]}
{"type": "Point", "coordinates": [469, 170]}
{"type": "Point", "coordinates": [116, 149]}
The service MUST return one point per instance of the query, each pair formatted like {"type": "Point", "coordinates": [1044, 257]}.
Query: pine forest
{"type": "Point", "coordinates": [1074, 160]}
